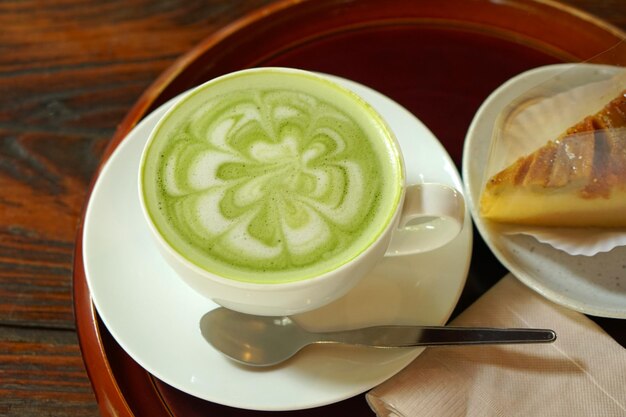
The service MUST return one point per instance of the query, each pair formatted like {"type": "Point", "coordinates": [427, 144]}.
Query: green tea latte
{"type": "Point", "coordinates": [271, 176]}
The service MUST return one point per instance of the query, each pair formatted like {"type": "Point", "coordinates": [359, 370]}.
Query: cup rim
{"type": "Point", "coordinates": [306, 280]}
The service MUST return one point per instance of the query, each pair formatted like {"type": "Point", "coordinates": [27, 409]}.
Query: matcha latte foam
{"type": "Point", "coordinates": [271, 176]}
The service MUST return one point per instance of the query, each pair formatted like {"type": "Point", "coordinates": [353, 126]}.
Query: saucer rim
{"type": "Point", "coordinates": [453, 177]}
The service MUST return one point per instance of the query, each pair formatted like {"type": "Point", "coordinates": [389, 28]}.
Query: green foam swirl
{"type": "Point", "coordinates": [270, 185]}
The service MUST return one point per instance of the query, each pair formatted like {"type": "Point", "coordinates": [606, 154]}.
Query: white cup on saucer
{"type": "Point", "coordinates": [216, 252]}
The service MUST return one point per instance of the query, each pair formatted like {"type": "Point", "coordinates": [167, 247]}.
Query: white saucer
{"type": "Point", "coordinates": [155, 317]}
{"type": "Point", "coordinates": [593, 285]}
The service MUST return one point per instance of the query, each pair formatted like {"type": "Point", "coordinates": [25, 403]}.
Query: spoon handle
{"type": "Point", "coordinates": [406, 336]}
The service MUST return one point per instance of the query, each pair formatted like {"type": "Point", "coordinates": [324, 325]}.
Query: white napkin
{"type": "Point", "coordinates": [583, 373]}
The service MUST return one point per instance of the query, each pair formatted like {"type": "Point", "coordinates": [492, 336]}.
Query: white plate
{"type": "Point", "coordinates": [155, 317]}
{"type": "Point", "coordinates": [593, 285]}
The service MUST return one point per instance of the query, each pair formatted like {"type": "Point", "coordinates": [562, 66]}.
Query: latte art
{"type": "Point", "coordinates": [269, 186]}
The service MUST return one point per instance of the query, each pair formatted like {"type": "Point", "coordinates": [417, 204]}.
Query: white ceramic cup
{"type": "Point", "coordinates": [426, 217]}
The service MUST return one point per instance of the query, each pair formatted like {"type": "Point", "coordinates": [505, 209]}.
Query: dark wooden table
{"type": "Point", "coordinates": [69, 71]}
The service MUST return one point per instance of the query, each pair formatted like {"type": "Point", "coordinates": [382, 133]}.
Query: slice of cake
{"type": "Point", "coordinates": [577, 180]}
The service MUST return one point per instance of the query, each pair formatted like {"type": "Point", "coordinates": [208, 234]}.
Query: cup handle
{"type": "Point", "coordinates": [432, 215]}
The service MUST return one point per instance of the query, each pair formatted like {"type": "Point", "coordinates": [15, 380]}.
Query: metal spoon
{"type": "Point", "coordinates": [265, 341]}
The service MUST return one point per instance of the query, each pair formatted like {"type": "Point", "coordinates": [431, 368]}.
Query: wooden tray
{"type": "Point", "coordinates": [439, 59]}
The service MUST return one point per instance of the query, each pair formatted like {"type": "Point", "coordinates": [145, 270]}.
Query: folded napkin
{"type": "Point", "coordinates": [583, 373]}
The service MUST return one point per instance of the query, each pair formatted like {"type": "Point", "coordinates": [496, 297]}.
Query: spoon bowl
{"type": "Point", "coordinates": [269, 340]}
{"type": "Point", "coordinates": [253, 340]}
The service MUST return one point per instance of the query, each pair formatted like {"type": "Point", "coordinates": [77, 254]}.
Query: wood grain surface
{"type": "Point", "coordinates": [69, 72]}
